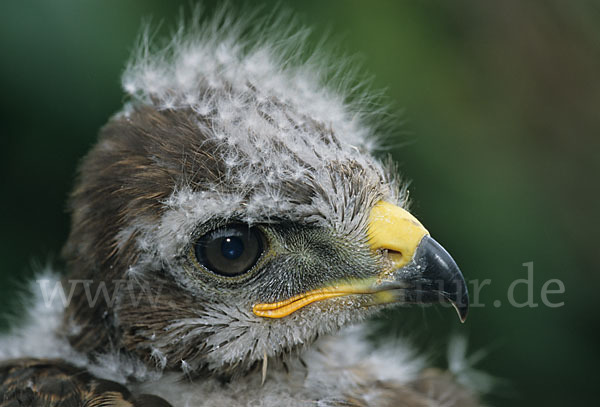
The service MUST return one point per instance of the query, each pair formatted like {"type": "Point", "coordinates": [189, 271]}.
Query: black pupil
{"type": "Point", "coordinates": [230, 250]}
{"type": "Point", "coordinates": [232, 247]}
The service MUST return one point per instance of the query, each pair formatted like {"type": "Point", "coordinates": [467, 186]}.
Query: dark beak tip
{"type": "Point", "coordinates": [441, 268]}
{"type": "Point", "coordinates": [462, 311]}
{"type": "Point", "coordinates": [462, 305]}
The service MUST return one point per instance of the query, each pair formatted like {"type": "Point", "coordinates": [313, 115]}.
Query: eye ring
{"type": "Point", "coordinates": [231, 250]}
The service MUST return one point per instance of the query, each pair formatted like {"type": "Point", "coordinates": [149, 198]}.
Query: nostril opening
{"type": "Point", "coordinates": [394, 256]}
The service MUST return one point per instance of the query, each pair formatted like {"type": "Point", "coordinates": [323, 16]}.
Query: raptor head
{"type": "Point", "coordinates": [233, 212]}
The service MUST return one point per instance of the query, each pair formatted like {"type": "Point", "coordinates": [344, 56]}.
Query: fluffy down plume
{"type": "Point", "coordinates": [280, 110]}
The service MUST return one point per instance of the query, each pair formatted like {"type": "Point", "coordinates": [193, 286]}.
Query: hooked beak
{"type": "Point", "coordinates": [417, 269]}
{"type": "Point", "coordinates": [431, 277]}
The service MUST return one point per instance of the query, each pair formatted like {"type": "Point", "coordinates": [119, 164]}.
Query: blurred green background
{"type": "Point", "coordinates": [501, 138]}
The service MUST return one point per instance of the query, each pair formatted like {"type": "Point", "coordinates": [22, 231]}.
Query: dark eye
{"type": "Point", "coordinates": [231, 250]}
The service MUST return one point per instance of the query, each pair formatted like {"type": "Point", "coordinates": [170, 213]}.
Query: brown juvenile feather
{"type": "Point", "coordinates": [54, 383]}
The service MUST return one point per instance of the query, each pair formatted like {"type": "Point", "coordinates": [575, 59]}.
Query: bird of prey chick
{"type": "Point", "coordinates": [228, 226]}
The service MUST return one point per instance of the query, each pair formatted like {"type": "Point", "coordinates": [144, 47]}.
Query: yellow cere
{"type": "Point", "coordinates": [394, 229]}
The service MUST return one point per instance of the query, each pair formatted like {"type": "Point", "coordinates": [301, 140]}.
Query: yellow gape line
{"type": "Point", "coordinates": [284, 308]}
